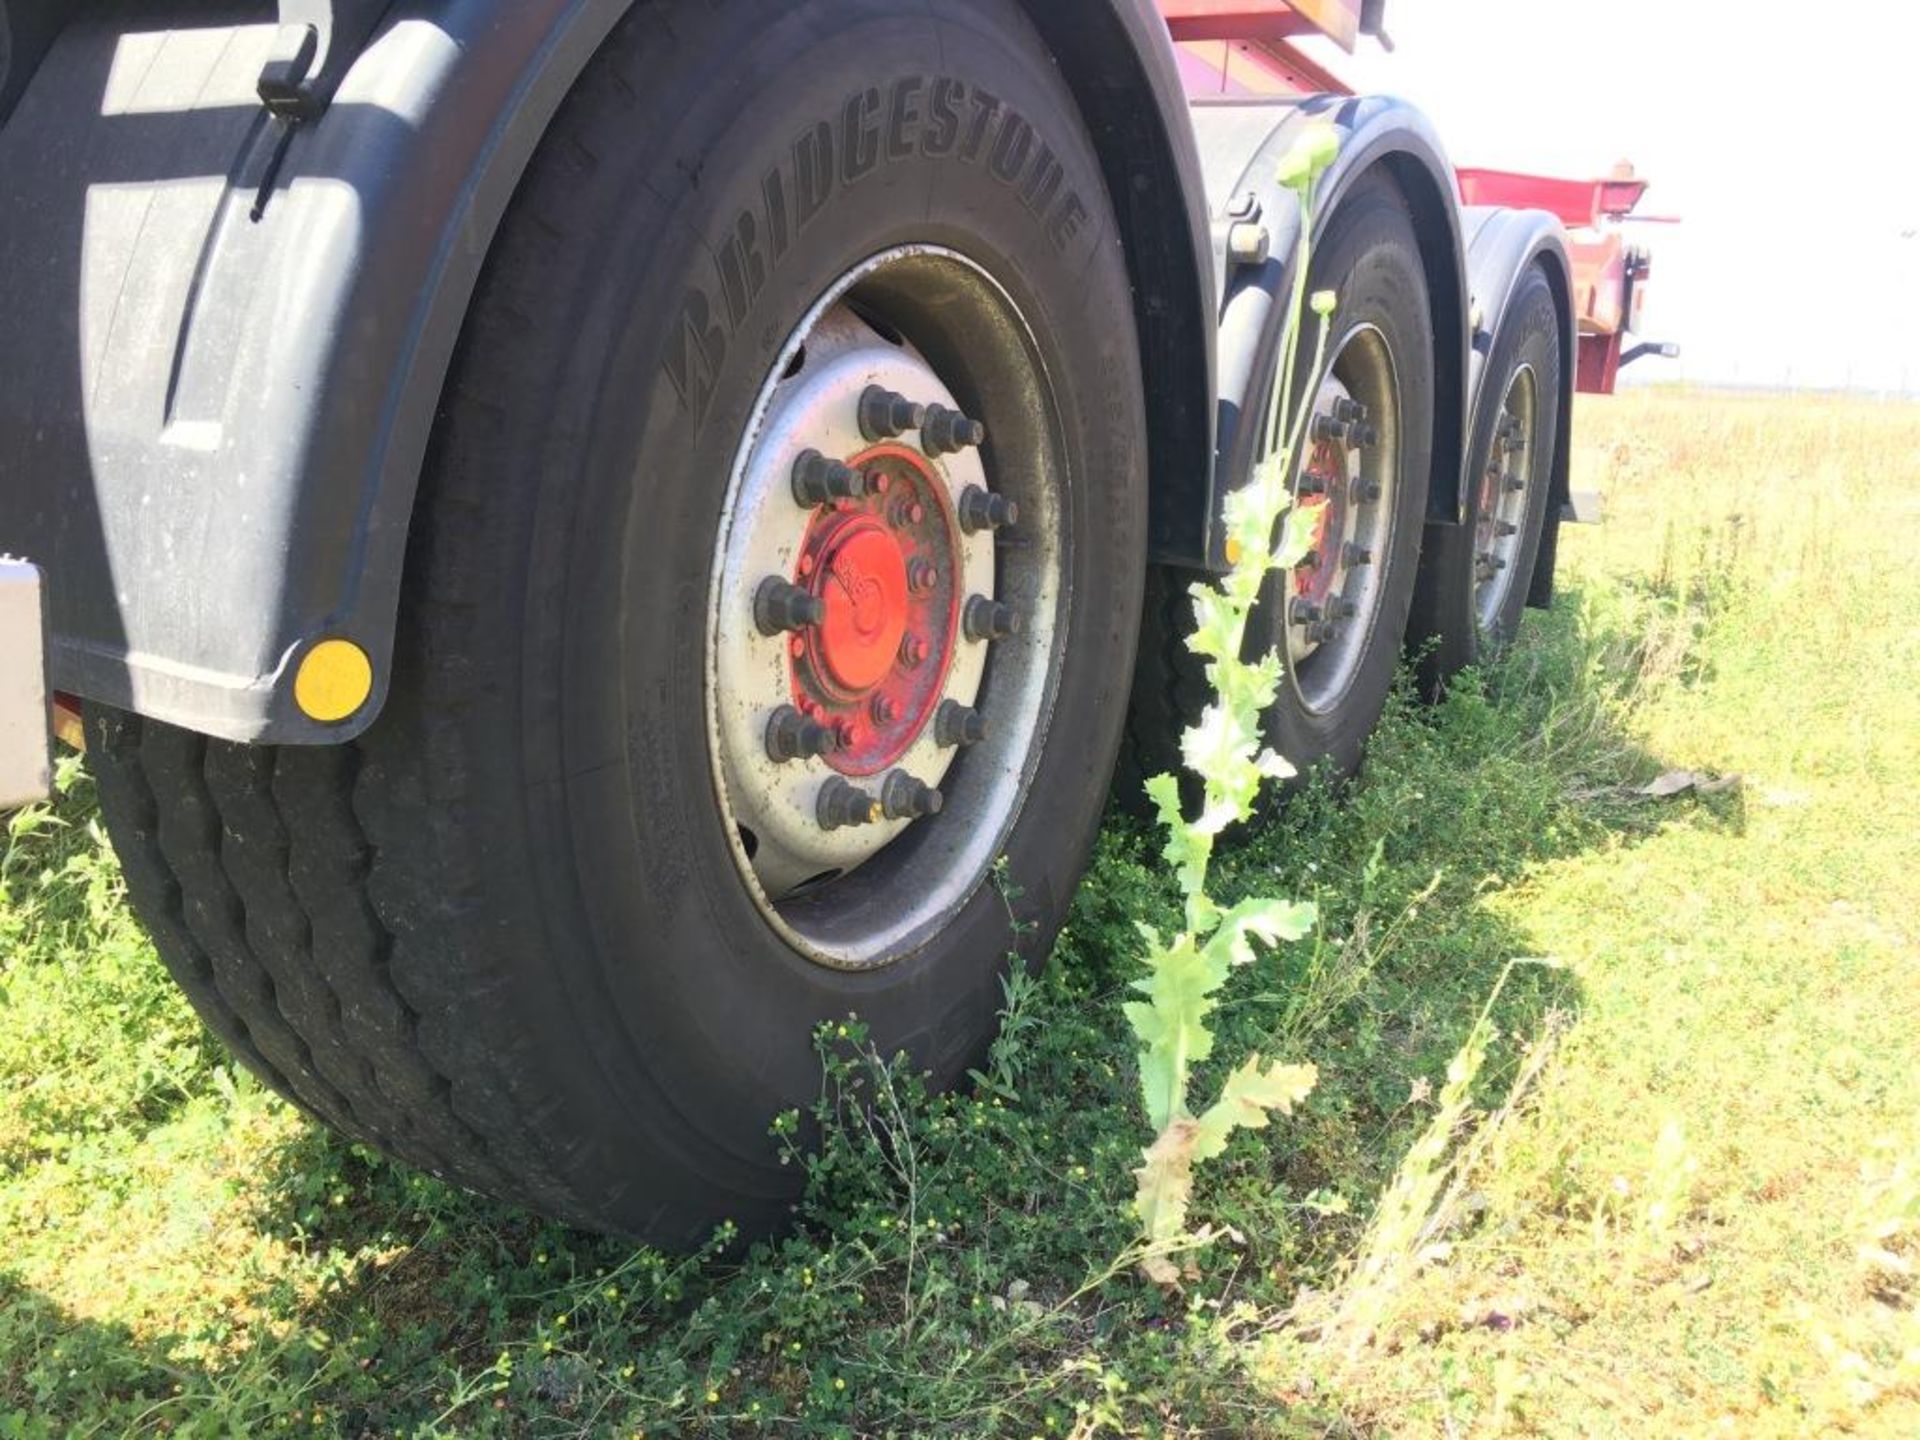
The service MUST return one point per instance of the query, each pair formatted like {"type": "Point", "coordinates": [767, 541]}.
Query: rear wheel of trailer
{"type": "Point", "coordinates": [775, 572]}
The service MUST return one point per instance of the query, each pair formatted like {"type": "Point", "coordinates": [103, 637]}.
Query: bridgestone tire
{"type": "Point", "coordinates": [1369, 255]}
{"type": "Point", "coordinates": [1447, 633]}
{"type": "Point", "coordinates": [503, 936]}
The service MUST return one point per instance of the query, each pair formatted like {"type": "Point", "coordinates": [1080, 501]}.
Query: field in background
{"type": "Point", "coordinates": [1680, 1194]}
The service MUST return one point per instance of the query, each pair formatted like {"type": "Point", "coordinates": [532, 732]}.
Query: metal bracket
{"type": "Point", "coordinates": [1665, 349]}
{"type": "Point", "coordinates": [317, 44]}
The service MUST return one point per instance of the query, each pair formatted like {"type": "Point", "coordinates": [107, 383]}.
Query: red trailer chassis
{"type": "Point", "coordinates": [1245, 47]}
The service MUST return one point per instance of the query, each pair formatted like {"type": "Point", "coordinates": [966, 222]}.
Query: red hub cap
{"type": "Point", "coordinates": [865, 587]}
{"type": "Point", "coordinates": [886, 569]}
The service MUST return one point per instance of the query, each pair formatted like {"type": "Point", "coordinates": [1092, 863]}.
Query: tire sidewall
{"type": "Point", "coordinates": [1449, 636]}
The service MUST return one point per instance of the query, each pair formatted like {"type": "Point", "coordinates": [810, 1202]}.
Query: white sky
{"type": "Point", "coordinates": [1785, 133]}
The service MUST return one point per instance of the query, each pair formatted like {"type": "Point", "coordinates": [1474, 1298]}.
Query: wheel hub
{"type": "Point", "coordinates": [887, 570]}
{"type": "Point", "coordinates": [1346, 484]}
{"type": "Point", "coordinates": [883, 616]}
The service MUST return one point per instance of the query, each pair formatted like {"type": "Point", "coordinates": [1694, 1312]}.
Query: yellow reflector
{"type": "Point", "coordinates": [334, 680]}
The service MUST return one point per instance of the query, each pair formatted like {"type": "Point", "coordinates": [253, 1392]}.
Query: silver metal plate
{"type": "Point", "coordinates": [26, 772]}
{"type": "Point", "coordinates": [1586, 507]}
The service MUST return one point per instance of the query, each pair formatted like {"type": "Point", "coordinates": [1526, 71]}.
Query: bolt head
{"type": "Point", "coordinates": [982, 510]}
{"type": "Point", "coordinates": [1249, 243]}
{"type": "Point", "coordinates": [913, 652]}
{"type": "Point", "coordinates": [986, 619]}
{"type": "Point", "coordinates": [944, 431]}
{"type": "Point", "coordinates": [922, 575]}
{"type": "Point", "coordinates": [780, 605]}
{"type": "Point", "coordinates": [791, 735]}
{"type": "Point", "coordinates": [883, 710]}
{"type": "Point", "coordinates": [902, 797]}
{"type": "Point", "coordinates": [885, 414]}
{"type": "Point", "coordinates": [956, 724]}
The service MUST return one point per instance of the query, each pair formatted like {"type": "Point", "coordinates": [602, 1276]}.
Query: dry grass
{"type": "Point", "coordinates": [1677, 1235]}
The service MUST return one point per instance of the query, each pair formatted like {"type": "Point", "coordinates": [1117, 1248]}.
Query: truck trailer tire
{"type": "Point", "coordinates": [1474, 576]}
{"type": "Point", "coordinates": [1368, 471]}
{"type": "Point", "coordinates": [698, 736]}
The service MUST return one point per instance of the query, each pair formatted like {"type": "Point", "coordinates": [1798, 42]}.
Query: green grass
{"type": "Point", "coordinates": [1678, 1193]}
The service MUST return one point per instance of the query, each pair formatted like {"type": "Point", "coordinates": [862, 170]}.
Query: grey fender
{"type": "Point", "coordinates": [1502, 245]}
{"type": "Point", "coordinates": [227, 343]}
{"type": "Point", "coordinates": [1242, 143]}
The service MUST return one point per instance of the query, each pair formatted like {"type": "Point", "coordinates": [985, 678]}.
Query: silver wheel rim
{"type": "Point", "coordinates": [1348, 478]}
{"type": "Point", "coordinates": [1501, 516]}
{"type": "Point", "coordinates": [863, 894]}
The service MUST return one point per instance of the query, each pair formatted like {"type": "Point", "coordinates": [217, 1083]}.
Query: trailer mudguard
{"type": "Point", "coordinates": [1242, 143]}
{"type": "Point", "coordinates": [226, 334]}
{"type": "Point", "coordinates": [1501, 246]}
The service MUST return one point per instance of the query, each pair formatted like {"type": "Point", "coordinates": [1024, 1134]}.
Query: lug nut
{"type": "Point", "coordinates": [945, 432]}
{"type": "Point", "coordinates": [792, 736]}
{"type": "Point", "coordinates": [1344, 609]}
{"type": "Point", "coordinates": [779, 606]}
{"type": "Point", "coordinates": [1505, 527]}
{"type": "Point", "coordinates": [906, 511]}
{"type": "Point", "coordinates": [841, 804]}
{"type": "Point", "coordinates": [818, 480]}
{"type": "Point", "coordinates": [1365, 436]}
{"type": "Point", "coordinates": [990, 619]}
{"type": "Point", "coordinates": [983, 510]}
{"type": "Point", "coordinates": [957, 724]}
{"type": "Point", "coordinates": [883, 710]}
{"type": "Point", "coordinates": [1304, 612]}
{"type": "Point", "coordinates": [1324, 633]}
{"type": "Point", "coordinates": [1493, 562]}
{"type": "Point", "coordinates": [913, 651]}
{"type": "Point", "coordinates": [904, 798]}
{"type": "Point", "coordinates": [1354, 556]}
{"type": "Point", "coordinates": [1516, 483]}
{"type": "Point", "coordinates": [1348, 409]}
{"type": "Point", "coordinates": [1328, 428]}
{"type": "Point", "coordinates": [922, 576]}
{"type": "Point", "coordinates": [1249, 243]}
{"type": "Point", "coordinates": [1366, 492]}
{"type": "Point", "coordinates": [885, 413]}
{"type": "Point", "coordinates": [1312, 484]}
